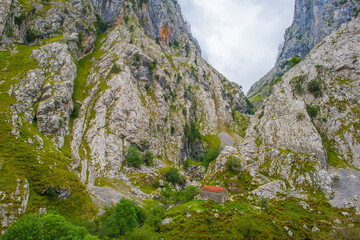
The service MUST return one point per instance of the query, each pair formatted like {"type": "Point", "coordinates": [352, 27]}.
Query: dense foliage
{"type": "Point", "coordinates": [48, 226]}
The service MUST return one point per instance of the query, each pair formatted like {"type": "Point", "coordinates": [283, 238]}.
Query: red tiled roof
{"type": "Point", "coordinates": [213, 189]}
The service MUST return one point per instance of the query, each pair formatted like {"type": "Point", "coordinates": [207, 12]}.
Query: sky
{"type": "Point", "coordinates": [240, 38]}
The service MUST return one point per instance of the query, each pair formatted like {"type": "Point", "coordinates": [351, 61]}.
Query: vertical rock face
{"type": "Point", "coordinates": [313, 21]}
{"type": "Point", "coordinates": [162, 20]}
{"type": "Point", "coordinates": [303, 136]}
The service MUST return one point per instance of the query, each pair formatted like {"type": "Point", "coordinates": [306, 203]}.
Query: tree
{"type": "Point", "coordinates": [234, 164]}
{"type": "Point", "coordinates": [133, 157]}
{"type": "Point", "coordinates": [124, 217]}
{"type": "Point", "coordinates": [174, 176]}
{"type": "Point", "coordinates": [149, 158]}
{"type": "Point", "coordinates": [48, 226]}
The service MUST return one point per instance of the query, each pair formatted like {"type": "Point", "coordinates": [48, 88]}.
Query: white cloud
{"type": "Point", "coordinates": [240, 38]}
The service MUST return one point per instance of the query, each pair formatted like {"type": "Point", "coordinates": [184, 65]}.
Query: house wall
{"type": "Point", "coordinates": [214, 196]}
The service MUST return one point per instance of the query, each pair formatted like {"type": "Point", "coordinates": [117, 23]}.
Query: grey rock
{"type": "Point", "coordinates": [315, 229]}
{"type": "Point", "coordinates": [312, 22]}
{"type": "Point", "coordinates": [346, 214]}
{"type": "Point", "coordinates": [63, 193]}
{"type": "Point", "coordinates": [166, 221]}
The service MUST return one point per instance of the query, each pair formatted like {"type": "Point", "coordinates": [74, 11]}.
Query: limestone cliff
{"type": "Point", "coordinates": [306, 135]}
{"type": "Point", "coordinates": [313, 21]}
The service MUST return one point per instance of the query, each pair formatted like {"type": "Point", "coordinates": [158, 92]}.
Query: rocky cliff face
{"type": "Point", "coordinates": [306, 135]}
{"type": "Point", "coordinates": [76, 99]}
{"type": "Point", "coordinates": [313, 21]}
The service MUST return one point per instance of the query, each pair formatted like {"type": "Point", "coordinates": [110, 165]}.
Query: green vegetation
{"type": "Point", "coordinates": [173, 176]}
{"type": "Point", "coordinates": [234, 164]}
{"type": "Point", "coordinates": [76, 111]}
{"type": "Point", "coordinates": [300, 116]}
{"type": "Point", "coordinates": [294, 61]}
{"type": "Point", "coordinates": [48, 226]}
{"type": "Point", "coordinates": [170, 197]}
{"type": "Point", "coordinates": [100, 25]}
{"type": "Point", "coordinates": [250, 109]}
{"type": "Point", "coordinates": [313, 111]}
{"type": "Point", "coordinates": [148, 158]}
{"type": "Point", "coordinates": [213, 143]}
{"type": "Point", "coordinates": [314, 87]}
{"type": "Point", "coordinates": [31, 35]}
{"type": "Point", "coordinates": [115, 68]}
{"type": "Point", "coordinates": [133, 157]}
{"type": "Point", "coordinates": [122, 218]}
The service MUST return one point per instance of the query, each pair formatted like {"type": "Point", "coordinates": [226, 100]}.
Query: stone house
{"type": "Point", "coordinates": [216, 194]}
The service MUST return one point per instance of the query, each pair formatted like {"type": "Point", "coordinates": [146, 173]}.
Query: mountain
{"type": "Point", "coordinates": [84, 82]}
{"type": "Point", "coordinates": [313, 21]}
{"type": "Point", "coordinates": [111, 122]}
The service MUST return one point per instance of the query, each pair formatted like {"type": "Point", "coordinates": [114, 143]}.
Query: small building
{"type": "Point", "coordinates": [216, 194]}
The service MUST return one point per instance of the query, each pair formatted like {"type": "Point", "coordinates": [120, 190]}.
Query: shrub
{"type": "Point", "coordinates": [100, 25]}
{"type": "Point", "coordinates": [147, 87]}
{"type": "Point", "coordinates": [9, 31]}
{"type": "Point", "coordinates": [115, 68]}
{"type": "Point", "coordinates": [174, 176]}
{"type": "Point", "coordinates": [184, 112]}
{"type": "Point", "coordinates": [191, 132]}
{"type": "Point", "coordinates": [31, 35]}
{"type": "Point", "coordinates": [264, 203]}
{"type": "Point", "coordinates": [123, 218]}
{"type": "Point", "coordinates": [211, 156]}
{"type": "Point", "coordinates": [155, 217]}
{"type": "Point", "coordinates": [133, 157]}
{"type": "Point", "coordinates": [76, 110]}
{"type": "Point", "coordinates": [300, 116]}
{"type": "Point", "coordinates": [294, 61]}
{"type": "Point", "coordinates": [314, 87]}
{"type": "Point", "coordinates": [18, 20]}
{"type": "Point", "coordinates": [186, 164]}
{"type": "Point", "coordinates": [172, 130]}
{"type": "Point", "coordinates": [126, 19]}
{"type": "Point", "coordinates": [313, 111]}
{"type": "Point", "coordinates": [47, 227]}
{"type": "Point", "coordinates": [234, 164]}
{"type": "Point", "coordinates": [149, 158]}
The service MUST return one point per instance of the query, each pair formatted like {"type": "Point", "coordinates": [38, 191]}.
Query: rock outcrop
{"type": "Point", "coordinates": [313, 21]}
{"type": "Point", "coordinates": [309, 124]}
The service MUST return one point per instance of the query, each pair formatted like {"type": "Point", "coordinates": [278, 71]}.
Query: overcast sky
{"type": "Point", "coordinates": [240, 38]}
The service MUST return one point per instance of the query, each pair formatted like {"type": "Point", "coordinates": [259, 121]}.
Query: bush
{"type": "Point", "coordinates": [211, 156]}
{"type": "Point", "coordinates": [149, 158]}
{"type": "Point", "coordinates": [174, 176]}
{"type": "Point", "coordinates": [147, 87]}
{"type": "Point", "coordinates": [46, 227]}
{"type": "Point", "coordinates": [9, 31]}
{"type": "Point", "coordinates": [294, 61]}
{"type": "Point", "coordinates": [123, 218]}
{"type": "Point", "coordinates": [133, 157]}
{"type": "Point", "coordinates": [100, 25]}
{"type": "Point", "coordinates": [313, 111]}
{"type": "Point", "coordinates": [18, 20]}
{"type": "Point", "coordinates": [234, 164]}
{"type": "Point", "coordinates": [264, 203]}
{"type": "Point", "coordinates": [115, 68]}
{"type": "Point", "coordinates": [76, 110]}
{"type": "Point", "coordinates": [31, 35]}
{"type": "Point", "coordinates": [314, 87]}
{"type": "Point", "coordinates": [300, 116]}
